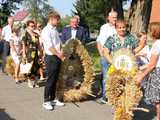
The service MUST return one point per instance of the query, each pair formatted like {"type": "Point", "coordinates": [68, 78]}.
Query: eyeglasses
{"type": "Point", "coordinates": [32, 26]}
{"type": "Point", "coordinates": [39, 26]}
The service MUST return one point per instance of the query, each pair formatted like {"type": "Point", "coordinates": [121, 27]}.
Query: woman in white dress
{"type": "Point", "coordinates": [15, 45]}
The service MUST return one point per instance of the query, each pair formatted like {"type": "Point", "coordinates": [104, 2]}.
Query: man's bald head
{"type": "Point", "coordinates": [112, 17]}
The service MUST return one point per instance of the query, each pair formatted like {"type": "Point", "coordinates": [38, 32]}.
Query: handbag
{"type": "Point", "coordinates": [25, 68]}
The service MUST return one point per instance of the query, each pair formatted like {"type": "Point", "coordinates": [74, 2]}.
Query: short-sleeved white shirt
{"type": "Point", "coordinates": [16, 42]}
{"type": "Point", "coordinates": [106, 30]}
{"type": "Point", "coordinates": [50, 38]}
{"type": "Point", "coordinates": [6, 32]}
{"type": "Point", "coordinates": [147, 51]}
{"type": "Point", "coordinates": [156, 51]}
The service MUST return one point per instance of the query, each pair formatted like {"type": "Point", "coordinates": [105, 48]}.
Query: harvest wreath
{"type": "Point", "coordinates": [122, 91]}
{"type": "Point", "coordinates": [77, 74]}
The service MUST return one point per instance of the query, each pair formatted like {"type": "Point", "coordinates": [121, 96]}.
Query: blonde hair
{"type": "Point", "coordinates": [154, 29]}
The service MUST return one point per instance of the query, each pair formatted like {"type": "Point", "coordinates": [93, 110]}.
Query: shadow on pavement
{"type": "Point", "coordinates": [4, 115]}
{"type": "Point", "coordinates": [140, 115]}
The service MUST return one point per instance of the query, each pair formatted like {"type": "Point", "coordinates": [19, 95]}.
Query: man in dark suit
{"type": "Point", "coordinates": [74, 31]}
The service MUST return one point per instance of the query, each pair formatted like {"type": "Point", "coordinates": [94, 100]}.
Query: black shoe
{"type": "Point", "coordinates": [18, 82]}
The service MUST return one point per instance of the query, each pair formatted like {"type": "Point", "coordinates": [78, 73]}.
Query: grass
{"type": "Point", "coordinates": [93, 52]}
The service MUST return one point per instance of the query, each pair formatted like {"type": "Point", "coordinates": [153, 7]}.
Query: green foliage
{"type": "Point", "coordinates": [38, 9]}
{"type": "Point", "coordinates": [6, 9]}
{"type": "Point", "coordinates": [93, 12]}
{"type": "Point", "coordinates": [93, 52]}
{"type": "Point", "coordinates": [64, 21]}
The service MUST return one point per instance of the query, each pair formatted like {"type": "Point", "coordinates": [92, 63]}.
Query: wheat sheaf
{"type": "Point", "coordinates": [122, 92]}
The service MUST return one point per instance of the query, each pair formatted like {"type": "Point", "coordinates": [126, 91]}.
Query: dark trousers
{"type": "Point", "coordinates": [53, 64]}
{"type": "Point", "coordinates": [6, 52]}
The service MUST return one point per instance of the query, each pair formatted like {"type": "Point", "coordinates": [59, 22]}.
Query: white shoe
{"type": "Point", "coordinates": [36, 85]}
{"type": "Point", "coordinates": [57, 103]}
{"type": "Point", "coordinates": [42, 78]}
{"type": "Point", "coordinates": [47, 106]}
{"type": "Point", "coordinates": [30, 85]}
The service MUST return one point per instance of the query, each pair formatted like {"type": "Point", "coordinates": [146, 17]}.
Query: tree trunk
{"type": "Point", "coordinates": [139, 15]}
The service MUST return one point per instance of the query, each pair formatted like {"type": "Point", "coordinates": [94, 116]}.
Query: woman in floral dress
{"type": "Point", "coordinates": [151, 73]}
{"type": "Point", "coordinates": [31, 51]}
{"type": "Point", "coordinates": [122, 39]}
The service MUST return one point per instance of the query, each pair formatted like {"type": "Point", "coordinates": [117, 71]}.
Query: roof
{"type": "Point", "coordinates": [155, 14]}
{"type": "Point", "coordinates": [20, 15]}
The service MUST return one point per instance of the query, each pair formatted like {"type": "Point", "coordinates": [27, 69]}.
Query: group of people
{"type": "Point", "coordinates": [146, 48]}
{"type": "Point", "coordinates": [39, 45]}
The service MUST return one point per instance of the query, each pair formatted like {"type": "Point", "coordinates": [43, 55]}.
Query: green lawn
{"type": "Point", "coordinates": [92, 49]}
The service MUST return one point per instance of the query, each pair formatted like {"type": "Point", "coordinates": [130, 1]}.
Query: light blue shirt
{"type": "Point", "coordinates": [7, 32]}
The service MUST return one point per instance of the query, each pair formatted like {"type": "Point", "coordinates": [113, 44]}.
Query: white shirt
{"type": "Point", "coordinates": [106, 30]}
{"type": "Point", "coordinates": [155, 50]}
{"type": "Point", "coordinates": [6, 32]}
{"type": "Point", "coordinates": [147, 52]}
{"type": "Point", "coordinates": [16, 42]}
{"type": "Point", "coordinates": [50, 38]}
{"type": "Point", "coordinates": [73, 33]}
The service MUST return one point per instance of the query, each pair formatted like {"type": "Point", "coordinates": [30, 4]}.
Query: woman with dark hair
{"type": "Point", "coordinates": [30, 42]}
{"type": "Point", "coordinates": [151, 72]}
{"type": "Point", "coordinates": [122, 39]}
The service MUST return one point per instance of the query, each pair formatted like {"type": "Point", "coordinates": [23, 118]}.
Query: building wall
{"type": "Point", "coordinates": [155, 13]}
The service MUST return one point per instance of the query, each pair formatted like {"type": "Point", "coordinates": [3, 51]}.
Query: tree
{"type": "Point", "coordinates": [38, 9]}
{"type": "Point", "coordinates": [139, 15]}
{"type": "Point", "coordinates": [7, 8]}
{"type": "Point", "coordinates": [93, 12]}
{"type": "Point", "coordinates": [64, 21]}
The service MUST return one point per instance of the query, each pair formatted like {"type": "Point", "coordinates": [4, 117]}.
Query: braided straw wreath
{"type": "Point", "coordinates": [77, 74]}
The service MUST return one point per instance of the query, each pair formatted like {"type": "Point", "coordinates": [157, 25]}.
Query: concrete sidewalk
{"type": "Point", "coordinates": [18, 102]}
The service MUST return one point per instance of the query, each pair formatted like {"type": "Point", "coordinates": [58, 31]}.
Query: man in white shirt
{"type": "Point", "coordinates": [53, 58]}
{"type": "Point", "coordinates": [6, 34]}
{"type": "Point", "coordinates": [106, 30]}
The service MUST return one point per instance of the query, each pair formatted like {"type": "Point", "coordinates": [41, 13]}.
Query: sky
{"type": "Point", "coordinates": [64, 7]}
{"type": "Point", "coordinates": [127, 4]}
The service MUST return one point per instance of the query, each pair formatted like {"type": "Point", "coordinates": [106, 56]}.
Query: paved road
{"type": "Point", "coordinates": [18, 102]}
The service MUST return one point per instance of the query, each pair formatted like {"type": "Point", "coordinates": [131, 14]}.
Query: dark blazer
{"type": "Point", "coordinates": [66, 34]}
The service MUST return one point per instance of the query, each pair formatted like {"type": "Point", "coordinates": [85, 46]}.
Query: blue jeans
{"type": "Point", "coordinates": [105, 66]}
